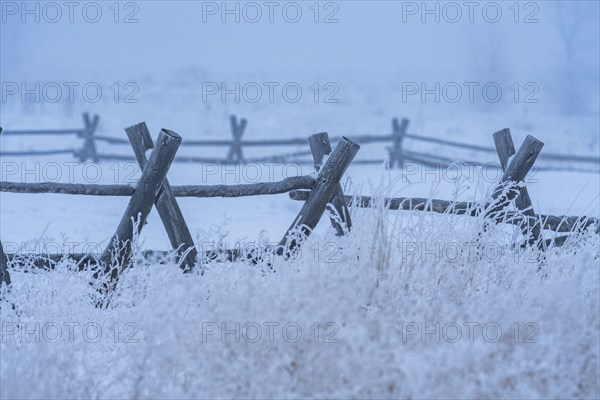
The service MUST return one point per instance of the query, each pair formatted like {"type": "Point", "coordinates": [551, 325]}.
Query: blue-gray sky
{"type": "Point", "coordinates": [552, 43]}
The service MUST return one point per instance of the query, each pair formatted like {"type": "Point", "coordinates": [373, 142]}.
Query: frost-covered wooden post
{"type": "Point", "coordinates": [395, 152]}
{"type": "Point", "coordinates": [506, 149]}
{"type": "Point", "coordinates": [516, 171]}
{"type": "Point", "coordinates": [320, 146]}
{"type": "Point", "coordinates": [166, 204]}
{"type": "Point", "coordinates": [321, 193]}
{"type": "Point", "coordinates": [89, 145]}
{"type": "Point", "coordinates": [237, 130]}
{"type": "Point", "coordinates": [4, 275]}
{"type": "Point", "coordinates": [149, 185]}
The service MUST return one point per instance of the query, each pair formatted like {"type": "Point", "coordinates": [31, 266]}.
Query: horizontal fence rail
{"type": "Point", "coordinates": [46, 132]}
{"type": "Point", "coordinates": [560, 223]}
{"type": "Point", "coordinates": [250, 189]}
{"type": "Point", "coordinates": [397, 153]}
{"type": "Point", "coordinates": [87, 261]}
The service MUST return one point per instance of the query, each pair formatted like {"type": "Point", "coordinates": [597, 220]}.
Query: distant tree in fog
{"type": "Point", "coordinates": [577, 38]}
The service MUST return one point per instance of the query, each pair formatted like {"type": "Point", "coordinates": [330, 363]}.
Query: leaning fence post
{"type": "Point", "coordinates": [506, 149]}
{"type": "Point", "coordinates": [4, 275]}
{"type": "Point", "coordinates": [516, 171]}
{"type": "Point", "coordinates": [321, 193]}
{"type": "Point", "coordinates": [140, 203]}
{"type": "Point", "coordinates": [89, 145]}
{"type": "Point", "coordinates": [235, 152]}
{"type": "Point", "coordinates": [166, 205]}
{"type": "Point", "coordinates": [395, 151]}
{"type": "Point", "coordinates": [320, 146]}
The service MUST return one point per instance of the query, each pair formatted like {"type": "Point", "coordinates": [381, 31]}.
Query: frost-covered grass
{"type": "Point", "coordinates": [369, 293]}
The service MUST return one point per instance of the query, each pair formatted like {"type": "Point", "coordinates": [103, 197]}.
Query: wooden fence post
{"type": "Point", "coordinates": [89, 145]}
{"type": "Point", "coordinates": [395, 151]}
{"type": "Point", "coordinates": [237, 130]}
{"type": "Point", "coordinates": [4, 275]}
{"type": "Point", "coordinates": [140, 204]}
{"type": "Point", "coordinates": [320, 146]}
{"type": "Point", "coordinates": [166, 205]}
{"type": "Point", "coordinates": [516, 171]}
{"type": "Point", "coordinates": [321, 193]}
{"type": "Point", "coordinates": [506, 149]}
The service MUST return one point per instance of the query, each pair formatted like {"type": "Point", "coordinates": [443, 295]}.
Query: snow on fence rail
{"type": "Point", "coordinates": [153, 189]}
{"type": "Point", "coordinates": [397, 154]}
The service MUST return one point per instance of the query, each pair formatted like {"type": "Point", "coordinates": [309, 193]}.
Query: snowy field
{"type": "Point", "coordinates": [343, 320]}
{"type": "Point", "coordinates": [404, 306]}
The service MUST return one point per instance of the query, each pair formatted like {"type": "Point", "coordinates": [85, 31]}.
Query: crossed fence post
{"type": "Point", "coordinates": [515, 170]}
{"type": "Point", "coordinates": [166, 204]}
{"type": "Point", "coordinates": [326, 185]}
{"type": "Point", "coordinates": [506, 149]}
{"type": "Point", "coordinates": [237, 130]}
{"type": "Point", "coordinates": [149, 185]}
{"type": "Point", "coordinates": [89, 145]}
{"type": "Point", "coordinates": [320, 146]}
{"type": "Point", "coordinates": [395, 151]}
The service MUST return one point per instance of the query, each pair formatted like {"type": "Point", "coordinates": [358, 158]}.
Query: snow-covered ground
{"type": "Point", "coordinates": [405, 306]}
{"type": "Point", "coordinates": [392, 310]}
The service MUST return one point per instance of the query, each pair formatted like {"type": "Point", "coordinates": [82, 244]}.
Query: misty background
{"type": "Point", "coordinates": [543, 55]}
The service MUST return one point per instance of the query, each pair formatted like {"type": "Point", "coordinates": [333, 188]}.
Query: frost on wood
{"type": "Point", "coordinates": [250, 189]}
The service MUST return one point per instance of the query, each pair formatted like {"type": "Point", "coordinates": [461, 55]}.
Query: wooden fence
{"type": "Point", "coordinates": [397, 151]}
{"type": "Point", "coordinates": [153, 189]}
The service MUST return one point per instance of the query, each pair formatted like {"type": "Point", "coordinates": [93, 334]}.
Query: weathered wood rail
{"type": "Point", "coordinates": [397, 152]}
{"type": "Point", "coordinates": [250, 189]}
{"type": "Point", "coordinates": [556, 223]}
